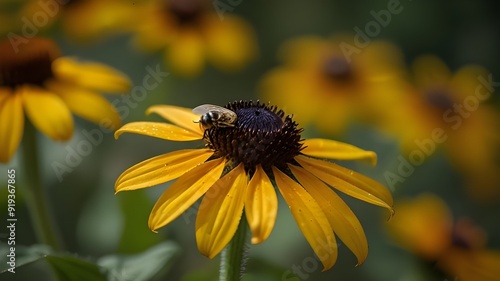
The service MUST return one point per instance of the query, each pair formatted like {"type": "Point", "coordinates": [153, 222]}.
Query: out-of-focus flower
{"type": "Point", "coordinates": [447, 110]}
{"type": "Point", "coordinates": [236, 171]}
{"type": "Point", "coordinates": [425, 227]}
{"type": "Point", "coordinates": [190, 32]}
{"type": "Point", "coordinates": [83, 20]}
{"type": "Point", "coordinates": [37, 81]}
{"type": "Point", "coordinates": [326, 82]}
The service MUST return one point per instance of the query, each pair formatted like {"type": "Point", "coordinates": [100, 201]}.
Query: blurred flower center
{"type": "Point", "coordinates": [261, 135]}
{"type": "Point", "coordinates": [338, 69]}
{"type": "Point", "coordinates": [29, 63]}
{"type": "Point", "coordinates": [185, 11]}
{"type": "Point", "coordinates": [72, 3]}
{"type": "Point", "coordinates": [439, 98]}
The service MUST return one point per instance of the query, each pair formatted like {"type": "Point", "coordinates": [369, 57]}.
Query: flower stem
{"type": "Point", "coordinates": [234, 256]}
{"type": "Point", "coordinates": [36, 199]}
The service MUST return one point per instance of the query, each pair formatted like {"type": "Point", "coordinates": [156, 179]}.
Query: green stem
{"type": "Point", "coordinates": [235, 255]}
{"type": "Point", "coordinates": [36, 199]}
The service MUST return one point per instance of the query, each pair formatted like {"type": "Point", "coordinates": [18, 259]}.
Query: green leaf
{"type": "Point", "coordinates": [38, 261]}
{"type": "Point", "coordinates": [141, 267]}
{"type": "Point", "coordinates": [71, 268]}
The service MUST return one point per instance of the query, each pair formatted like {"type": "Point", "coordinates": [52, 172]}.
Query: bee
{"type": "Point", "coordinates": [215, 116]}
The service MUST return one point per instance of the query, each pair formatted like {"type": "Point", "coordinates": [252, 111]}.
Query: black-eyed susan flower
{"type": "Point", "coordinates": [35, 80]}
{"type": "Point", "coordinates": [456, 249]}
{"type": "Point", "coordinates": [453, 105]}
{"type": "Point", "coordinates": [235, 173]}
{"type": "Point", "coordinates": [337, 80]}
{"type": "Point", "coordinates": [191, 33]}
{"type": "Point", "coordinates": [82, 20]}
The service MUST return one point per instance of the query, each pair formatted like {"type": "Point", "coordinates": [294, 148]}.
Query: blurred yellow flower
{"type": "Point", "coordinates": [82, 20]}
{"type": "Point", "coordinates": [36, 80]}
{"type": "Point", "coordinates": [191, 32]}
{"type": "Point", "coordinates": [236, 171]}
{"type": "Point", "coordinates": [453, 105]}
{"type": "Point", "coordinates": [425, 227]}
{"type": "Point", "coordinates": [327, 84]}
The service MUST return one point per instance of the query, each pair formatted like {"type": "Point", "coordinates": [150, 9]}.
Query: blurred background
{"type": "Point", "coordinates": [294, 54]}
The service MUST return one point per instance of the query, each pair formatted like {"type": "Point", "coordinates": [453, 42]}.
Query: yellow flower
{"type": "Point", "coordinates": [236, 171]}
{"type": "Point", "coordinates": [327, 85]}
{"type": "Point", "coordinates": [82, 20]}
{"type": "Point", "coordinates": [191, 32]}
{"type": "Point", "coordinates": [424, 226]}
{"type": "Point", "coordinates": [452, 104]}
{"type": "Point", "coordinates": [35, 80]}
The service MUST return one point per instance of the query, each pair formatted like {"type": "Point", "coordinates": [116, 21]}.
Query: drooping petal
{"type": "Point", "coordinates": [261, 206]}
{"type": "Point", "coordinates": [47, 112]}
{"type": "Point", "coordinates": [220, 212]}
{"type": "Point", "coordinates": [87, 104]}
{"type": "Point", "coordinates": [158, 130]}
{"type": "Point", "coordinates": [310, 219]}
{"type": "Point", "coordinates": [323, 148]}
{"type": "Point", "coordinates": [348, 181]}
{"type": "Point", "coordinates": [184, 192]}
{"type": "Point", "coordinates": [180, 116]}
{"type": "Point", "coordinates": [91, 75]}
{"type": "Point", "coordinates": [343, 221]}
{"type": "Point", "coordinates": [160, 169]}
{"type": "Point", "coordinates": [11, 125]}
{"type": "Point", "coordinates": [186, 55]}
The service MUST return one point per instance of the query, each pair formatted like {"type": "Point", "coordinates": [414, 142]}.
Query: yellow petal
{"type": "Point", "coordinates": [303, 51]}
{"type": "Point", "coordinates": [160, 169]}
{"type": "Point", "coordinates": [158, 130]}
{"type": "Point", "coordinates": [87, 104]}
{"type": "Point", "coordinates": [343, 221]}
{"type": "Point", "coordinates": [261, 206]}
{"type": "Point", "coordinates": [323, 148]}
{"type": "Point", "coordinates": [47, 112]}
{"type": "Point", "coordinates": [5, 93]}
{"type": "Point", "coordinates": [95, 76]}
{"type": "Point", "coordinates": [186, 55]}
{"type": "Point", "coordinates": [423, 225]}
{"type": "Point", "coordinates": [466, 80]}
{"type": "Point", "coordinates": [430, 71]}
{"type": "Point", "coordinates": [184, 192]}
{"type": "Point", "coordinates": [348, 181]}
{"type": "Point", "coordinates": [230, 43]}
{"type": "Point", "coordinates": [180, 116]}
{"type": "Point", "coordinates": [11, 124]}
{"type": "Point", "coordinates": [310, 219]}
{"type": "Point", "coordinates": [470, 265]}
{"type": "Point", "coordinates": [220, 212]}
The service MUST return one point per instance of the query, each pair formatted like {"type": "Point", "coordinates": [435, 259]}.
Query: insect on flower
{"type": "Point", "coordinates": [215, 116]}
{"type": "Point", "coordinates": [245, 163]}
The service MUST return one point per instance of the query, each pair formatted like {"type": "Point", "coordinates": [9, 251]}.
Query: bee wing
{"type": "Point", "coordinates": [204, 108]}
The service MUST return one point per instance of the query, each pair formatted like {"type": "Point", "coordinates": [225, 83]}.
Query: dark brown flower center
{"type": "Point", "coordinates": [337, 68]}
{"type": "Point", "coordinates": [185, 11]}
{"type": "Point", "coordinates": [262, 135]}
{"type": "Point", "coordinates": [439, 98]}
{"type": "Point", "coordinates": [29, 63]}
